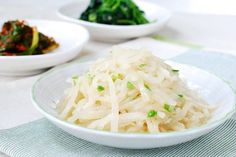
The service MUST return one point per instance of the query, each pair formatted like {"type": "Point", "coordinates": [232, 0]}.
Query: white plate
{"type": "Point", "coordinates": [51, 86]}
{"type": "Point", "coordinates": [156, 14]}
{"type": "Point", "coordinates": [71, 38]}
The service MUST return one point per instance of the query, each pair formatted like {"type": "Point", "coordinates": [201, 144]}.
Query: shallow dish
{"type": "Point", "coordinates": [157, 16]}
{"type": "Point", "coordinates": [49, 89]}
{"type": "Point", "coordinates": [70, 37]}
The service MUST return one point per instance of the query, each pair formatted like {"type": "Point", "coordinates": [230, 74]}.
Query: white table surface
{"type": "Point", "coordinates": [197, 21]}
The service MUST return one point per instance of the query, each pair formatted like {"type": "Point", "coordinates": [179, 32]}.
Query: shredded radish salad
{"type": "Point", "coordinates": [132, 91]}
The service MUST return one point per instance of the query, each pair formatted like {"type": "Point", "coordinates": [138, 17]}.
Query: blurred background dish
{"type": "Point", "coordinates": [70, 38]}
{"type": "Point", "coordinates": [157, 16]}
{"type": "Point", "coordinates": [17, 38]}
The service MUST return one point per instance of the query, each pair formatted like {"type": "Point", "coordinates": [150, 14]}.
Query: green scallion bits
{"type": "Point", "coordinates": [151, 113]}
{"type": "Point", "coordinates": [142, 65]}
{"type": "Point", "coordinates": [147, 87]}
{"type": "Point", "coordinates": [75, 79]}
{"type": "Point", "coordinates": [169, 108]}
{"type": "Point", "coordinates": [115, 77]}
{"type": "Point", "coordinates": [130, 85]}
{"type": "Point", "coordinates": [100, 88]}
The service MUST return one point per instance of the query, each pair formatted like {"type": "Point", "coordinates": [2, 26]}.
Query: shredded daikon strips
{"type": "Point", "coordinates": [132, 91]}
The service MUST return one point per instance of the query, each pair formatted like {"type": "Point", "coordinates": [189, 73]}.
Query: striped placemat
{"type": "Point", "coordinates": [42, 139]}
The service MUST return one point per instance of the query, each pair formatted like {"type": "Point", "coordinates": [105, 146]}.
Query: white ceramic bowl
{"type": "Point", "coordinates": [156, 14]}
{"type": "Point", "coordinates": [71, 38]}
{"type": "Point", "coordinates": [51, 86]}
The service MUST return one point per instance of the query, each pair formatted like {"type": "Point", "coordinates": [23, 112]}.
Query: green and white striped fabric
{"type": "Point", "coordinates": [42, 139]}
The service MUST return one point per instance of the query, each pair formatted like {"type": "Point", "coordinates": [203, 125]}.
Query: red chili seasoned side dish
{"type": "Point", "coordinates": [17, 38]}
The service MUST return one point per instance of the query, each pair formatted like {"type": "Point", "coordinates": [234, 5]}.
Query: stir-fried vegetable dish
{"type": "Point", "coordinates": [17, 38]}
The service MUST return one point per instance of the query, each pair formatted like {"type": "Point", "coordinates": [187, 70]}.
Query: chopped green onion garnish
{"type": "Point", "coordinates": [120, 76]}
{"type": "Point", "coordinates": [175, 71]}
{"type": "Point", "coordinates": [147, 87]}
{"type": "Point", "coordinates": [169, 108]}
{"type": "Point", "coordinates": [75, 79]}
{"type": "Point", "coordinates": [115, 77]}
{"type": "Point", "coordinates": [142, 65]}
{"type": "Point", "coordinates": [130, 85]}
{"type": "Point", "coordinates": [181, 95]}
{"type": "Point", "coordinates": [100, 88]}
{"type": "Point", "coordinates": [151, 113]}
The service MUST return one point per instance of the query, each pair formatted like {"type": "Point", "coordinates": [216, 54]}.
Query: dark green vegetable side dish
{"type": "Point", "coordinates": [114, 12]}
